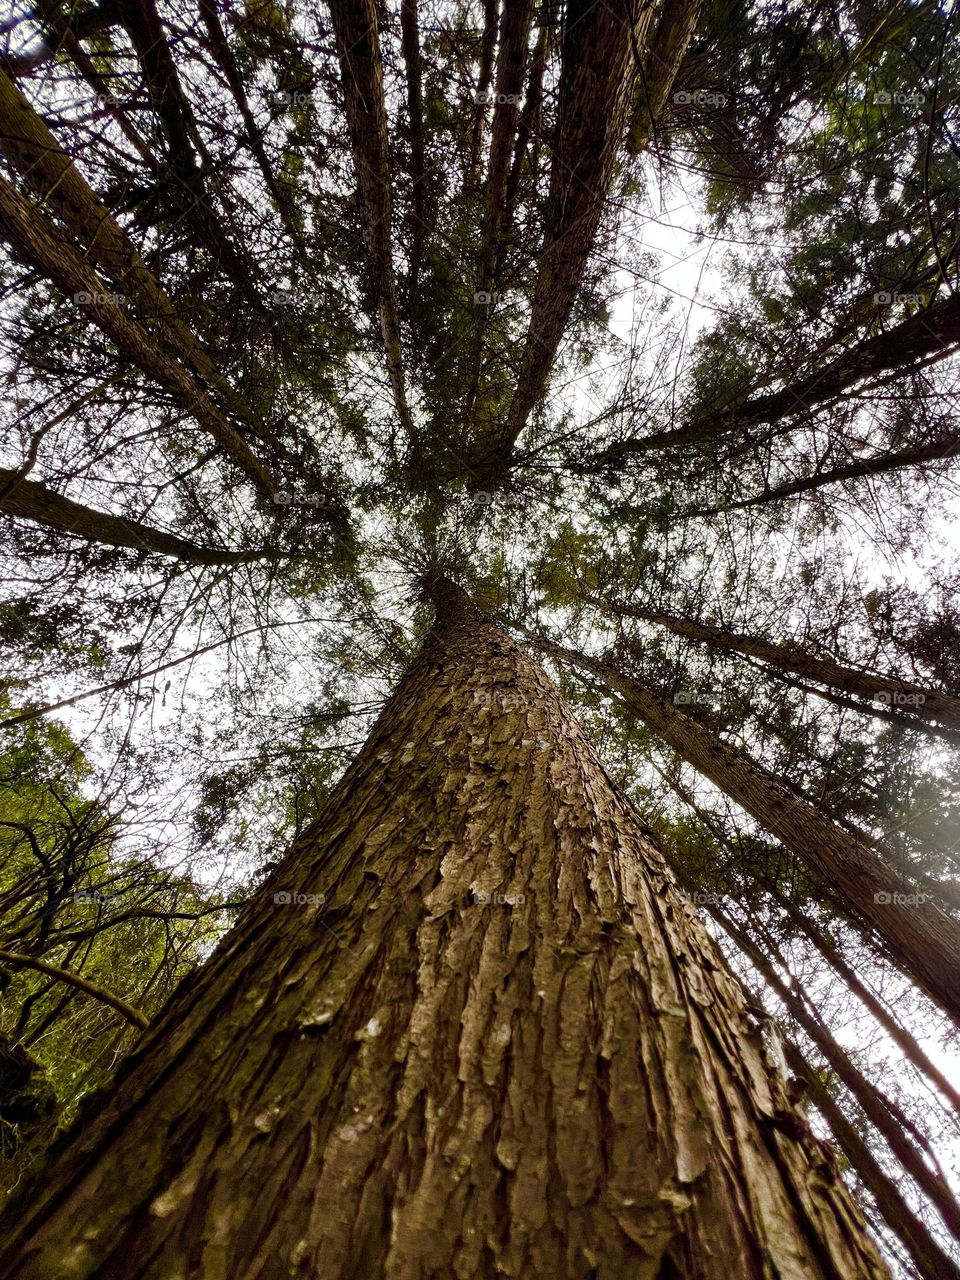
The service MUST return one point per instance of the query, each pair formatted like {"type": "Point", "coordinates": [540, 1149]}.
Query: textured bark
{"type": "Point", "coordinates": [885, 691]}
{"type": "Point", "coordinates": [50, 173]}
{"type": "Point", "coordinates": [876, 464]}
{"type": "Point", "coordinates": [921, 938]}
{"type": "Point", "coordinates": [358, 47]}
{"type": "Point", "coordinates": [499, 1044]}
{"type": "Point", "coordinates": [30, 500]}
{"type": "Point", "coordinates": [923, 338]}
{"type": "Point", "coordinates": [35, 242]}
{"type": "Point", "coordinates": [597, 77]}
{"type": "Point", "coordinates": [675, 26]}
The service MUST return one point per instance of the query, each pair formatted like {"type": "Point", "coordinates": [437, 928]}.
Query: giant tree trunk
{"type": "Point", "coordinates": [469, 1029]}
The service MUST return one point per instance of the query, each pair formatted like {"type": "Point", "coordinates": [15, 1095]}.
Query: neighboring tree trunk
{"type": "Point", "coordinates": [675, 26]}
{"type": "Point", "coordinates": [911, 1230]}
{"type": "Point", "coordinates": [880, 1110]}
{"type": "Point", "coordinates": [469, 1028]}
{"type": "Point", "coordinates": [876, 464]}
{"type": "Point", "coordinates": [36, 242]}
{"type": "Point", "coordinates": [883, 691]}
{"type": "Point", "coordinates": [919, 936]}
{"type": "Point", "coordinates": [30, 500]}
{"type": "Point", "coordinates": [358, 47]}
{"type": "Point", "coordinates": [597, 77]}
{"type": "Point", "coordinates": [921, 339]}
{"type": "Point", "coordinates": [50, 173]}
{"type": "Point", "coordinates": [511, 56]}
{"type": "Point", "coordinates": [413, 63]}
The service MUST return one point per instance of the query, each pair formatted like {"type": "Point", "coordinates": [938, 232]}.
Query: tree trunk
{"type": "Point", "coordinates": [598, 73]}
{"type": "Point", "coordinates": [35, 242]}
{"type": "Point", "coordinates": [921, 938]}
{"type": "Point", "coordinates": [469, 1028]}
{"type": "Point", "coordinates": [882, 691]}
{"type": "Point", "coordinates": [29, 500]}
{"type": "Point", "coordinates": [881, 1111]}
{"type": "Point", "coordinates": [361, 67]}
{"type": "Point", "coordinates": [875, 464]}
{"type": "Point", "coordinates": [675, 27]}
{"type": "Point", "coordinates": [921, 339]}
{"type": "Point", "coordinates": [50, 173]}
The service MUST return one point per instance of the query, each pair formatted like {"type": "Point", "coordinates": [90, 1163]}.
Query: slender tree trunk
{"type": "Point", "coordinates": [875, 464]}
{"type": "Point", "coordinates": [879, 1109]}
{"type": "Point", "coordinates": [413, 64]}
{"type": "Point", "coordinates": [675, 27]}
{"type": "Point", "coordinates": [50, 173]}
{"type": "Point", "coordinates": [29, 500]}
{"type": "Point", "coordinates": [597, 77]}
{"type": "Point", "coordinates": [910, 1229]}
{"type": "Point", "coordinates": [909, 1046]}
{"type": "Point", "coordinates": [35, 242]}
{"type": "Point", "coordinates": [919, 936]}
{"type": "Point", "coordinates": [358, 47]}
{"type": "Point", "coordinates": [469, 1028]}
{"type": "Point", "coordinates": [511, 56]}
{"type": "Point", "coordinates": [923, 338]}
{"type": "Point", "coordinates": [884, 692]}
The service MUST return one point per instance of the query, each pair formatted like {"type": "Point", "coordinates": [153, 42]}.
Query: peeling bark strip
{"type": "Point", "coordinates": [469, 1028]}
{"type": "Point", "coordinates": [923, 940]}
{"type": "Point", "coordinates": [358, 47]}
{"type": "Point", "coordinates": [598, 73]}
{"type": "Point", "coordinates": [34, 241]}
{"type": "Point", "coordinates": [29, 500]}
{"type": "Point", "coordinates": [883, 691]}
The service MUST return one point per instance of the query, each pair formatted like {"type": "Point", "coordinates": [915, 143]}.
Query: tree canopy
{"type": "Point", "coordinates": [640, 322]}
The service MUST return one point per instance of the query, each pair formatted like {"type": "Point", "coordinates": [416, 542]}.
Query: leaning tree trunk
{"type": "Point", "coordinates": [468, 1029]}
